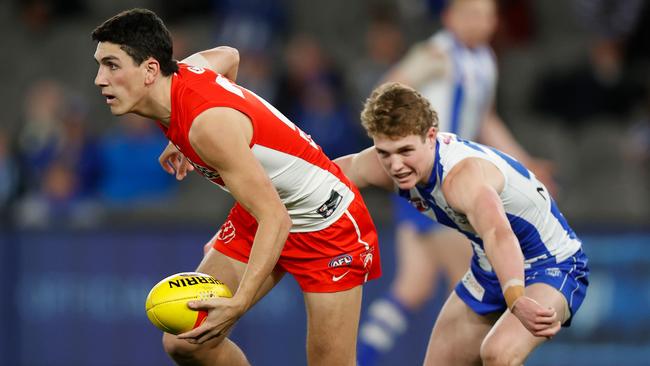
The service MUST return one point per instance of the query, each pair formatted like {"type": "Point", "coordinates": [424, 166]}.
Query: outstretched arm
{"type": "Point", "coordinates": [472, 187]}
{"type": "Point", "coordinates": [364, 169]}
{"type": "Point", "coordinates": [223, 60]}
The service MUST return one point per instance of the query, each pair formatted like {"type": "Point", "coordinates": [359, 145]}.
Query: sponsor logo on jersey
{"type": "Point", "coordinates": [553, 272]}
{"type": "Point", "coordinates": [459, 218]}
{"type": "Point", "coordinates": [419, 204]}
{"type": "Point", "coordinates": [207, 172]}
{"type": "Point", "coordinates": [472, 285]}
{"type": "Point", "coordinates": [327, 209]}
{"type": "Point", "coordinates": [196, 70]}
{"type": "Point", "coordinates": [227, 232]}
{"type": "Point", "coordinates": [341, 260]}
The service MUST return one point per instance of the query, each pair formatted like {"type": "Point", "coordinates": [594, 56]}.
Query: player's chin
{"type": "Point", "coordinates": [116, 111]}
{"type": "Point", "coordinates": [405, 184]}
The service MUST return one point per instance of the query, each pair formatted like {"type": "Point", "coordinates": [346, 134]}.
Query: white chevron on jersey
{"type": "Point", "coordinates": [303, 188]}
{"type": "Point", "coordinates": [542, 231]}
{"type": "Point", "coordinates": [467, 91]}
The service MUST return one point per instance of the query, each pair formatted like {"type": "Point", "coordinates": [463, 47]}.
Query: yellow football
{"type": "Point", "coordinates": [166, 303]}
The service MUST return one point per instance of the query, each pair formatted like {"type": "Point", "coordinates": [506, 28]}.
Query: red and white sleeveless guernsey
{"type": "Point", "coordinates": [332, 245]}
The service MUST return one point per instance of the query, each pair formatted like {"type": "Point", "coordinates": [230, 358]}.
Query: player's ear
{"type": "Point", "coordinates": [152, 70]}
{"type": "Point", "coordinates": [431, 134]}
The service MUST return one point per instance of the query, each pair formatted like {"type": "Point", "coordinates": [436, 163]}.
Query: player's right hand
{"type": "Point", "coordinates": [540, 321]}
{"type": "Point", "coordinates": [174, 162]}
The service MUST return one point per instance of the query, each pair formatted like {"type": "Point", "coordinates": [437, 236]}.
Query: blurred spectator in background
{"type": "Point", "coordinates": [257, 28]}
{"type": "Point", "coordinates": [384, 44]}
{"type": "Point", "coordinates": [40, 135]}
{"type": "Point", "coordinates": [322, 114]}
{"type": "Point", "coordinates": [516, 25]}
{"type": "Point", "coordinates": [59, 157]}
{"type": "Point", "coordinates": [9, 178]}
{"type": "Point", "coordinates": [455, 69]}
{"type": "Point", "coordinates": [251, 25]}
{"type": "Point", "coordinates": [601, 84]}
{"type": "Point", "coordinates": [311, 93]}
{"type": "Point", "coordinates": [130, 170]}
{"type": "Point", "coordinates": [38, 15]}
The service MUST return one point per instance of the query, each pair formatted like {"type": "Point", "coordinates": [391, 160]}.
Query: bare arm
{"type": "Point", "coordinates": [472, 187]}
{"type": "Point", "coordinates": [420, 64]}
{"type": "Point", "coordinates": [364, 169]}
{"type": "Point", "coordinates": [223, 60]}
{"type": "Point", "coordinates": [221, 136]}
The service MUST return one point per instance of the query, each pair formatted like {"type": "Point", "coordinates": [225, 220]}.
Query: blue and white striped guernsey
{"type": "Point", "coordinates": [543, 232]}
{"type": "Point", "coordinates": [466, 92]}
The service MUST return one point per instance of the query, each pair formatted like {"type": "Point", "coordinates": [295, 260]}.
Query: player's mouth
{"type": "Point", "coordinates": [402, 176]}
{"type": "Point", "coordinates": [109, 98]}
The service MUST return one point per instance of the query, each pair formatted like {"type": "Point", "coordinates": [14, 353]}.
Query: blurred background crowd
{"type": "Point", "coordinates": [574, 88]}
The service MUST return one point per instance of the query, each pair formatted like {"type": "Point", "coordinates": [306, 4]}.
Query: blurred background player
{"type": "Point", "coordinates": [456, 71]}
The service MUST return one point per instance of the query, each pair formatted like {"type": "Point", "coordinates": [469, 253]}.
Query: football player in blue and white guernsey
{"type": "Point", "coordinates": [528, 274]}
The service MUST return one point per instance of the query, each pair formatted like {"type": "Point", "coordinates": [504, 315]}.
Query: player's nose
{"type": "Point", "coordinates": [100, 79]}
{"type": "Point", "coordinates": [395, 162]}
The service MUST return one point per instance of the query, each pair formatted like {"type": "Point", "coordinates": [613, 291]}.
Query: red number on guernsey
{"type": "Point", "coordinates": [229, 86]}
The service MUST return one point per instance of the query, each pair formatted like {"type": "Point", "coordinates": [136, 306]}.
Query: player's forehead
{"type": "Point", "coordinates": [391, 144]}
{"type": "Point", "coordinates": [109, 51]}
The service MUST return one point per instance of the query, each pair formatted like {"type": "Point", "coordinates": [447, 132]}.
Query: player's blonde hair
{"type": "Point", "coordinates": [395, 110]}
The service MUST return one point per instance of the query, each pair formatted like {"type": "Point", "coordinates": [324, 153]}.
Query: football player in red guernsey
{"type": "Point", "coordinates": [296, 212]}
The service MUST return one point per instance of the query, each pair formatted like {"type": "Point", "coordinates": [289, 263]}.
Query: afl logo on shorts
{"type": "Point", "coordinates": [227, 232]}
{"type": "Point", "coordinates": [341, 260]}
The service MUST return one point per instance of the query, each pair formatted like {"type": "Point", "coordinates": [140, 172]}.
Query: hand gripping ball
{"type": "Point", "coordinates": [166, 303]}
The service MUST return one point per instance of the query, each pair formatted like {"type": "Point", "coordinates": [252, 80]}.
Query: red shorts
{"type": "Point", "coordinates": [337, 258]}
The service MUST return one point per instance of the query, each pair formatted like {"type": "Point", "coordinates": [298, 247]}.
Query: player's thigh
{"type": "Point", "coordinates": [509, 339]}
{"type": "Point", "coordinates": [230, 272]}
{"type": "Point", "coordinates": [457, 334]}
{"type": "Point", "coordinates": [332, 325]}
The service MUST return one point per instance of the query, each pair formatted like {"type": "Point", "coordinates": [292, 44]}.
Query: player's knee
{"type": "Point", "coordinates": [495, 352]}
{"type": "Point", "coordinates": [179, 350]}
{"type": "Point", "coordinates": [330, 353]}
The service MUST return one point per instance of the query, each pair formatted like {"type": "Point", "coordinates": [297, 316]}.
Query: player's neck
{"type": "Point", "coordinates": [157, 103]}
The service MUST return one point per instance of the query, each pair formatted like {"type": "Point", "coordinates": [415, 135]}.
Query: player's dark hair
{"type": "Point", "coordinates": [141, 34]}
{"type": "Point", "coordinates": [396, 110]}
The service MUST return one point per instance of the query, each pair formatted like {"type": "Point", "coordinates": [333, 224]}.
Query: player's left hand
{"type": "Point", "coordinates": [223, 313]}
{"type": "Point", "coordinates": [540, 321]}
{"type": "Point", "coordinates": [174, 162]}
